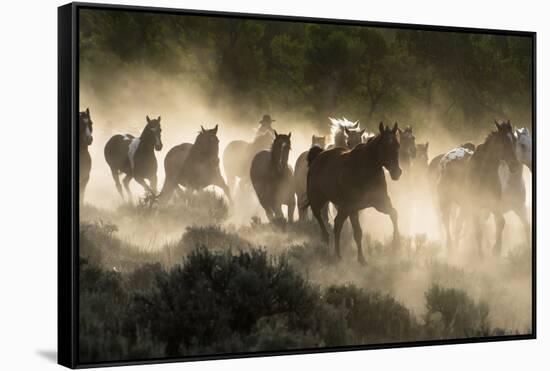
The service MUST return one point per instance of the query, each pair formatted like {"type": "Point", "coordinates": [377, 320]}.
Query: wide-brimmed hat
{"type": "Point", "coordinates": [266, 119]}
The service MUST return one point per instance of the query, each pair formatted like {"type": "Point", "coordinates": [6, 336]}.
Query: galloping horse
{"type": "Point", "coordinates": [85, 140]}
{"type": "Point", "coordinates": [434, 165]}
{"type": "Point", "coordinates": [272, 179]}
{"type": "Point", "coordinates": [473, 182]}
{"type": "Point", "coordinates": [135, 157]}
{"type": "Point", "coordinates": [354, 180]}
{"type": "Point", "coordinates": [300, 175]}
{"type": "Point", "coordinates": [513, 183]}
{"type": "Point", "coordinates": [238, 155]}
{"type": "Point", "coordinates": [194, 166]}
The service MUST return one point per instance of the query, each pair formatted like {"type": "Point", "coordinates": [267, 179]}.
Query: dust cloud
{"type": "Point", "coordinates": [407, 275]}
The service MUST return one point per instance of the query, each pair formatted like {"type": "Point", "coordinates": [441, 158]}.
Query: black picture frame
{"type": "Point", "coordinates": [68, 169]}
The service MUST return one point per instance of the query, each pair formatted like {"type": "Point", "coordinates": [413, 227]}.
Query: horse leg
{"type": "Point", "coordinates": [357, 235]}
{"type": "Point", "coordinates": [460, 219]}
{"type": "Point", "coordinates": [126, 182]}
{"type": "Point", "coordinates": [302, 213]}
{"type": "Point", "coordinates": [338, 223]}
{"type": "Point", "coordinates": [218, 181]}
{"type": "Point", "coordinates": [316, 211]}
{"type": "Point", "coordinates": [478, 233]}
{"type": "Point", "coordinates": [114, 173]}
{"type": "Point", "coordinates": [387, 208]}
{"type": "Point", "coordinates": [445, 210]}
{"type": "Point", "coordinates": [142, 183]}
{"type": "Point", "coordinates": [153, 180]}
{"type": "Point", "coordinates": [291, 204]}
{"type": "Point", "coordinates": [324, 212]}
{"type": "Point", "coordinates": [82, 189]}
{"type": "Point", "coordinates": [521, 212]}
{"type": "Point", "coordinates": [500, 222]}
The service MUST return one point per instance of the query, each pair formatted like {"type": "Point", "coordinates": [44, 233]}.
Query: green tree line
{"type": "Point", "coordinates": [423, 78]}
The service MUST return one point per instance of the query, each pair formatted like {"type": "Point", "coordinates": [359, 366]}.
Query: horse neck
{"type": "Point", "coordinates": [482, 164]}
{"type": "Point", "coordinates": [147, 141]}
{"type": "Point", "coordinates": [363, 156]}
{"type": "Point", "coordinates": [198, 155]}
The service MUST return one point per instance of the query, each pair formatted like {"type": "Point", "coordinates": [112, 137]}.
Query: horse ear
{"type": "Point", "coordinates": [216, 129]}
{"type": "Point", "coordinates": [427, 144]}
{"type": "Point", "coordinates": [362, 132]}
{"type": "Point", "coordinates": [158, 119]}
{"type": "Point", "coordinates": [395, 128]}
{"type": "Point", "coordinates": [275, 132]}
{"type": "Point", "coordinates": [148, 119]}
{"type": "Point", "coordinates": [356, 125]}
{"type": "Point", "coordinates": [381, 127]}
{"type": "Point", "coordinates": [289, 134]}
{"type": "Point", "coordinates": [202, 129]}
{"type": "Point", "coordinates": [497, 125]}
{"type": "Point", "coordinates": [346, 130]}
{"type": "Point", "coordinates": [312, 138]}
{"type": "Point", "coordinates": [87, 111]}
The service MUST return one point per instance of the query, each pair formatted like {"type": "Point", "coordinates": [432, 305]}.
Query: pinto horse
{"type": "Point", "coordinates": [194, 165]}
{"type": "Point", "coordinates": [135, 157]}
{"type": "Point", "coordinates": [85, 140]}
{"type": "Point", "coordinates": [272, 179]}
{"type": "Point", "coordinates": [354, 180]}
{"type": "Point", "coordinates": [473, 183]}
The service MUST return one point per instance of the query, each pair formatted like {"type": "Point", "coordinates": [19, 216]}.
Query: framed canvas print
{"type": "Point", "coordinates": [237, 185]}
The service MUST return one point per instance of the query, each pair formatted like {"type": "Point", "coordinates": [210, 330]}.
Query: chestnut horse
{"type": "Point", "coordinates": [354, 180]}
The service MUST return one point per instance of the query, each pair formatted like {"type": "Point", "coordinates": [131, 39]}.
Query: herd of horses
{"type": "Point", "coordinates": [469, 182]}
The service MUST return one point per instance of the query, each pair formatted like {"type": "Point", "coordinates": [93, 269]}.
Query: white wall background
{"type": "Point", "coordinates": [28, 182]}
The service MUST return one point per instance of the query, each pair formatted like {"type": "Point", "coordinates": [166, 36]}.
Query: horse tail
{"type": "Point", "coordinates": [313, 153]}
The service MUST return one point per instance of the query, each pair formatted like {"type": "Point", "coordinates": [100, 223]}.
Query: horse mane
{"type": "Point", "coordinates": [337, 132]}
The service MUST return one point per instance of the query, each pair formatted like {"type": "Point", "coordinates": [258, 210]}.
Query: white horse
{"type": "Point", "coordinates": [345, 133]}
{"type": "Point", "coordinates": [513, 184]}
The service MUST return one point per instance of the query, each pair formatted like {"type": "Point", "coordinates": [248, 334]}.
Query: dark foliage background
{"type": "Point", "coordinates": [458, 80]}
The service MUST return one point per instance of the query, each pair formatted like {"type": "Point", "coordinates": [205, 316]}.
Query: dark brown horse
{"type": "Point", "coordinates": [272, 179]}
{"type": "Point", "coordinates": [238, 155]}
{"type": "Point", "coordinates": [85, 140]}
{"type": "Point", "coordinates": [300, 175]}
{"type": "Point", "coordinates": [354, 180]}
{"type": "Point", "coordinates": [473, 183]}
{"type": "Point", "coordinates": [135, 157]}
{"type": "Point", "coordinates": [194, 166]}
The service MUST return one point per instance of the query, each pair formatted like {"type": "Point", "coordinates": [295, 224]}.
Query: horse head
{"type": "Point", "coordinates": [280, 150]}
{"type": "Point", "coordinates": [151, 133]}
{"type": "Point", "coordinates": [524, 147]}
{"type": "Point", "coordinates": [408, 143]}
{"type": "Point", "coordinates": [318, 141]}
{"type": "Point", "coordinates": [354, 136]}
{"type": "Point", "coordinates": [422, 153]}
{"type": "Point", "coordinates": [85, 125]}
{"type": "Point", "coordinates": [388, 150]}
{"type": "Point", "coordinates": [207, 142]}
{"type": "Point", "coordinates": [503, 145]}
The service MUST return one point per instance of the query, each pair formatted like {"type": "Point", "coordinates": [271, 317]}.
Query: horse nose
{"type": "Point", "coordinates": [396, 173]}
